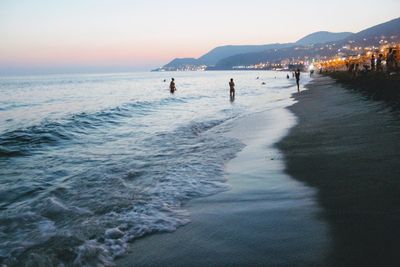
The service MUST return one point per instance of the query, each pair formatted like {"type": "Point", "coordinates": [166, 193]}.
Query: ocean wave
{"type": "Point", "coordinates": [22, 142]}
{"type": "Point", "coordinates": [7, 153]}
{"type": "Point", "coordinates": [93, 218]}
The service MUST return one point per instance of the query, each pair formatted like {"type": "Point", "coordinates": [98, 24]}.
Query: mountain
{"type": "Point", "coordinates": [265, 56]}
{"type": "Point", "coordinates": [218, 53]}
{"type": "Point", "coordinates": [316, 44]}
{"type": "Point", "coordinates": [323, 37]}
{"type": "Point", "coordinates": [181, 63]}
{"type": "Point", "coordinates": [372, 36]}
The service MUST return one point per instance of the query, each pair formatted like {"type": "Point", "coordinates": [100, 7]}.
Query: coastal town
{"type": "Point", "coordinates": [374, 48]}
{"type": "Point", "coordinates": [352, 58]}
{"type": "Point", "coordinates": [385, 57]}
{"type": "Point", "coordinates": [329, 57]}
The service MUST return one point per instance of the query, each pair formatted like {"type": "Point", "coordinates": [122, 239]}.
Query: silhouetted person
{"type": "Point", "coordinates": [356, 70]}
{"type": "Point", "coordinates": [352, 67]}
{"type": "Point", "coordinates": [390, 61]}
{"type": "Point", "coordinates": [165, 80]}
{"type": "Point", "coordinates": [287, 76]}
{"type": "Point", "coordinates": [232, 89]}
{"type": "Point", "coordinates": [297, 75]}
{"type": "Point", "coordinates": [172, 86]}
{"type": "Point", "coordinates": [372, 62]}
{"type": "Point", "coordinates": [311, 73]}
{"type": "Point", "coordinates": [379, 63]}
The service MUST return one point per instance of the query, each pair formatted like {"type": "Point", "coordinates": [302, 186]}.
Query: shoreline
{"type": "Point", "coordinates": [346, 147]}
{"type": "Point", "coordinates": [256, 222]}
{"type": "Point", "coordinates": [328, 197]}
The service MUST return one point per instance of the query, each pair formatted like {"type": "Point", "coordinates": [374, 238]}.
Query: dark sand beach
{"type": "Point", "coordinates": [376, 85]}
{"type": "Point", "coordinates": [347, 147]}
{"type": "Point", "coordinates": [331, 199]}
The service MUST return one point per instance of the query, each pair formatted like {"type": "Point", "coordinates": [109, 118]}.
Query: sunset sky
{"type": "Point", "coordinates": [97, 35]}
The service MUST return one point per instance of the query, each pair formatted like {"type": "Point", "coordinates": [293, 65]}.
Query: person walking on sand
{"type": "Point", "coordinates": [172, 87]}
{"type": "Point", "coordinates": [232, 89]}
{"type": "Point", "coordinates": [297, 74]}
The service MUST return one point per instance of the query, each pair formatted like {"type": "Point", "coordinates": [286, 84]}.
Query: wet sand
{"type": "Point", "coordinates": [265, 219]}
{"type": "Point", "coordinates": [348, 148]}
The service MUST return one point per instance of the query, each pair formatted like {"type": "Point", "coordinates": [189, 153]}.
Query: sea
{"type": "Point", "coordinates": [91, 162]}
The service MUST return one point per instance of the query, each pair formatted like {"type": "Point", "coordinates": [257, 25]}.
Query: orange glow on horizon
{"type": "Point", "coordinates": [96, 55]}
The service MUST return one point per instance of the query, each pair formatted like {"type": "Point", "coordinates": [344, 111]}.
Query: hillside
{"type": "Point", "coordinates": [181, 62]}
{"type": "Point", "coordinates": [219, 53]}
{"type": "Point", "coordinates": [268, 56]}
{"type": "Point", "coordinates": [323, 37]}
{"type": "Point", "coordinates": [373, 35]}
{"type": "Point", "coordinates": [320, 43]}
{"type": "Point", "coordinates": [368, 37]}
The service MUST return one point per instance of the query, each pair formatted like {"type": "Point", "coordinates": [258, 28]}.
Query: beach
{"type": "Point", "coordinates": [347, 147]}
{"type": "Point", "coordinates": [374, 84]}
{"type": "Point", "coordinates": [324, 195]}
{"type": "Point", "coordinates": [266, 218]}
{"type": "Point", "coordinates": [273, 178]}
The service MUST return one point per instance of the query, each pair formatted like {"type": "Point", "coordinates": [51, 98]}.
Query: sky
{"type": "Point", "coordinates": [118, 35]}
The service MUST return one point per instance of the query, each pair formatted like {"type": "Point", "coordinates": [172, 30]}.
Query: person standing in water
{"type": "Point", "coordinates": [172, 86]}
{"type": "Point", "coordinates": [297, 74]}
{"type": "Point", "coordinates": [232, 89]}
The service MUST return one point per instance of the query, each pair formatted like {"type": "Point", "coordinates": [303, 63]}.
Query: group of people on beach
{"type": "Point", "coordinates": [296, 74]}
{"type": "Point", "coordinates": [377, 63]}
